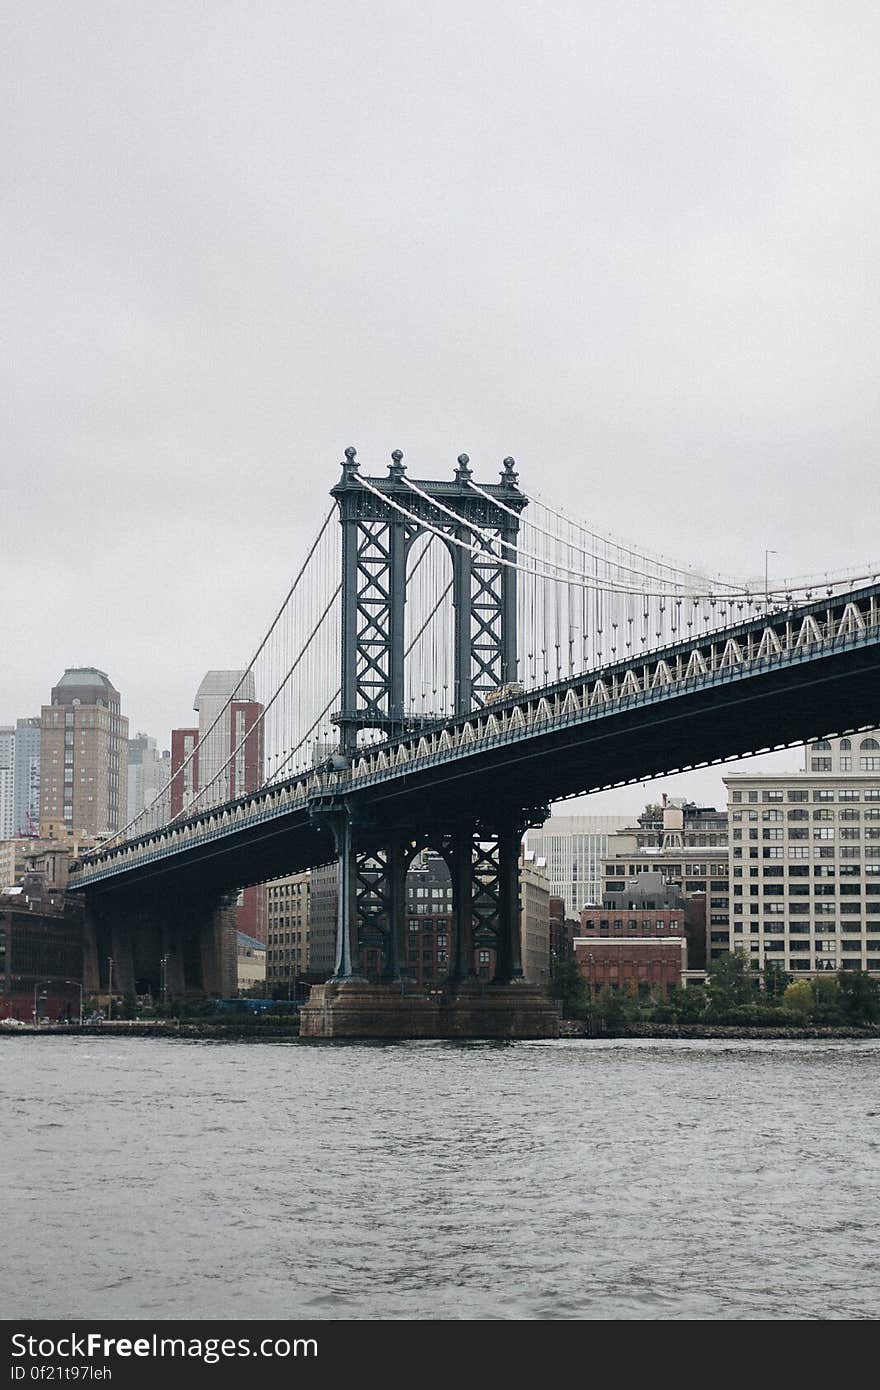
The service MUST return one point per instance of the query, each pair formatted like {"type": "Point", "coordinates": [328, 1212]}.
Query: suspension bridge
{"type": "Point", "coordinates": [450, 658]}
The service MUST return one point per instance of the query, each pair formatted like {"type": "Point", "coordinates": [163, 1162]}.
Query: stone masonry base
{"type": "Point", "coordinates": [356, 1009]}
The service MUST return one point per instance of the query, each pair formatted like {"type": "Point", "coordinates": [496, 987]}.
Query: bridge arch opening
{"type": "Point", "coordinates": [429, 629]}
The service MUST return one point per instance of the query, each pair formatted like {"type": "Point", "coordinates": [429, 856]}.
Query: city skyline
{"type": "Point", "coordinates": [697, 378]}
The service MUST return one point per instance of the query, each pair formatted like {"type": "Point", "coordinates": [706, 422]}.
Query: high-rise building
{"type": "Point", "coordinates": [221, 760]}
{"type": "Point", "coordinates": [27, 776]}
{"type": "Point", "coordinates": [226, 748]}
{"type": "Point", "coordinates": [805, 859]}
{"type": "Point", "coordinates": [149, 775]}
{"type": "Point", "coordinates": [184, 769]}
{"type": "Point", "coordinates": [7, 782]}
{"type": "Point", "coordinates": [573, 848]}
{"type": "Point", "coordinates": [83, 757]}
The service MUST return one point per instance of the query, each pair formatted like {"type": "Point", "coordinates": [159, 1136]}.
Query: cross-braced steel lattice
{"type": "Point", "coordinates": [381, 518]}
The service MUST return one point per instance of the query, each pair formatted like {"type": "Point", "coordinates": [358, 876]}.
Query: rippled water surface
{"type": "Point", "coordinates": [171, 1179]}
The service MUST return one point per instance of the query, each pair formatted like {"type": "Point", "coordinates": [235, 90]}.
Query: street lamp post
{"type": "Point", "coordinates": [163, 978]}
{"type": "Point", "coordinates": [37, 987]}
{"type": "Point", "coordinates": [110, 989]}
{"type": "Point", "coordinates": [767, 554]}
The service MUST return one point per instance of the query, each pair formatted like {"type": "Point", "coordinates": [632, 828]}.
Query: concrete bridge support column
{"type": "Point", "coordinates": [122, 953]}
{"type": "Point", "coordinates": [172, 955]}
{"type": "Point", "coordinates": [91, 966]}
{"type": "Point", "coordinates": [217, 947]}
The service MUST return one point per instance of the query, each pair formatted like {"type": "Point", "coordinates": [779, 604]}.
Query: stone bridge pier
{"type": "Point", "coordinates": [184, 944]}
{"type": "Point", "coordinates": [484, 863]}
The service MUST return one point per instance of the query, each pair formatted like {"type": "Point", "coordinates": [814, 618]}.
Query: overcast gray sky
{"type": "Point", "coordinates": [633, 244]}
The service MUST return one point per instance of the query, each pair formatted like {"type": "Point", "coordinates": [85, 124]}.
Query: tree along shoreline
{"type": "Point", "coordinates": [734, 996]}
{"type": "Point", "coordinates": [598, 1029]}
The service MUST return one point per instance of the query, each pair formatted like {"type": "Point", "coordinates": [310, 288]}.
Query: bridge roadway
{"type": "Point", "coordinates": [803, 673]}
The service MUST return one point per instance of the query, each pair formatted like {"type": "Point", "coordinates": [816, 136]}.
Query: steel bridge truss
{"type": "Point", "coordinates": [376, 542]}
{"type": "Point", "coordinates": [484, 866]}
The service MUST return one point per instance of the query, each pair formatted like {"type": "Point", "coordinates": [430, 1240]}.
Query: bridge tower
{"type": "Point", "coordinates": [381, 518]}
{"type": "Point", "coordinates": [376, 540]}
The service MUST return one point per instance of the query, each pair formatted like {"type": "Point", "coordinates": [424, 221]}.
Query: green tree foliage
{"type": "Point", "coordinates": [731, 981]}
{"type": "Point", "coordinates": [688, 1004]}
{"type": "Point", "coordinates": [776, 981]}
{"type": "Point", "coordinates": [826, 999]}
{"type": "Point", "coordinates": [858, 996]}
{"type": "Point", "coordinates": [569, 986]}
{"type": "Point", "coordinates": [734, 994]}
{"type": "Point", "coordinates": [616, 1006]}
{"type": "Point", "coordinates": [128, 1008]}
{"type": "Point", "coordinates": [798, 997]}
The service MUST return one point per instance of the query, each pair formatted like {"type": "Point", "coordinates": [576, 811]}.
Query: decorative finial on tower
{"type": "Point", "coordinates": [463, 473]}
{"type": "Point", "coordinates": [350, 466]}
{"type": "Point", "coordinates": [509, 475]}
{"type": "Point", "coordinates": [397, 467]}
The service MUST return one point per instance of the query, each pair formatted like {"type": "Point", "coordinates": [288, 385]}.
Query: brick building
{"type": "Point", "coordinates": [646, 906]}
{"type": "Point", "coordinates": [41, 953]}
{"type": "Point", "coordinates": [687, 844]}
{"type": "Point", "coordinates": [563, 931]}
{"type": "Point", "coordinates": [641, 965]}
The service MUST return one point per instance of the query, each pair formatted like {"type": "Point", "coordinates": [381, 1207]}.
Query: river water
{"type": "Point", "coordinates": [572, 1179]}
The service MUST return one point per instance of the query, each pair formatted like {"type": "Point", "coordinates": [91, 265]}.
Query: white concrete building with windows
{"type": "Point", "coordinates": [149, 775]}
{"type": "Point", "coordinates": [573, 848]}
{"type": "Point", "coordinates": [805, 859]}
